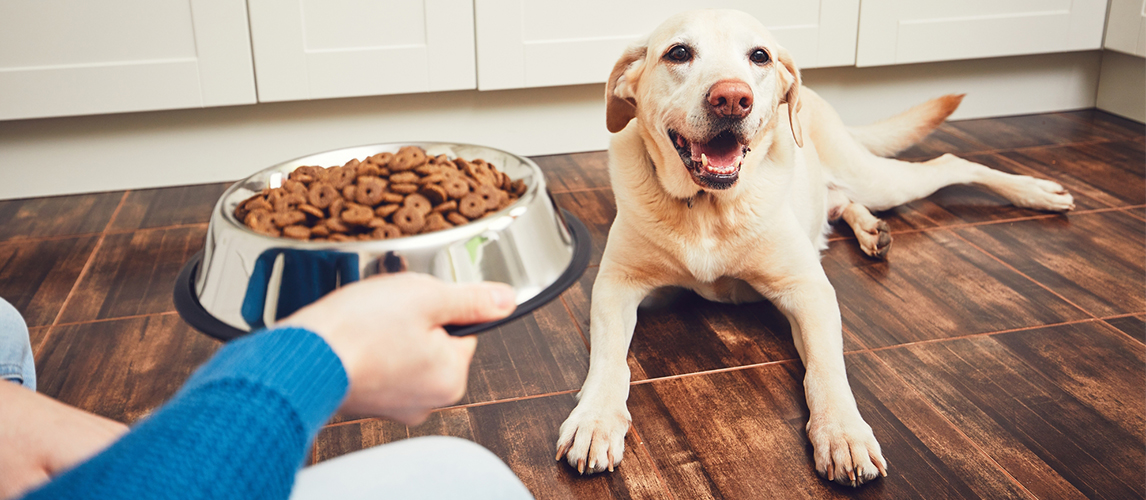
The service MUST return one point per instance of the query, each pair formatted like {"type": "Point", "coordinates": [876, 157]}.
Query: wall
{"type": "Point", "coordinates": [138, 150]}
{"type": "Point", "coordinates": [1122, 85]}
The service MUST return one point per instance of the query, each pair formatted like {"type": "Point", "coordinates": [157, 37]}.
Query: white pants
{"type": "Point", "coordinates": [434, 467]}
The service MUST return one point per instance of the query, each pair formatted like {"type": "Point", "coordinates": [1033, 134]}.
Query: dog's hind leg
{"type": "Point", "coordinates": [874, 235]}
{"type": "Point", "coordinates": [883, 183]}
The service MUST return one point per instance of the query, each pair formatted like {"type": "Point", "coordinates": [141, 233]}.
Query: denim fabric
{"type": "Point", "coordinates": [16, 362]}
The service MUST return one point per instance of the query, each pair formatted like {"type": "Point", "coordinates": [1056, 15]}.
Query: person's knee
{"type": "Point", "coordinates": [11, 320]}
{"type": "Point", "coordinates": [16, 361]}
{"type": "Point", "coordinates": [423, 467]}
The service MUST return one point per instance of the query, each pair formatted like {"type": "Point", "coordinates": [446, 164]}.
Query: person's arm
{"type": "Point", "coordinates": [241, 425]}
{"type": "Point", "coordinates": [238, 429]}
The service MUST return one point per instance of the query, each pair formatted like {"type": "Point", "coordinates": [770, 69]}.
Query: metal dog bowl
{"type": "Point", "coordinates": [243, 280]}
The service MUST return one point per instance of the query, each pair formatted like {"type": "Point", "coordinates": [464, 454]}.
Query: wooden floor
{"type": "Point", "coordinates": [998, 353]}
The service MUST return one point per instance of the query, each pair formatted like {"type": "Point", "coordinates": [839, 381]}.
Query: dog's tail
{"type": "Point", "coordinates": [892, 135]}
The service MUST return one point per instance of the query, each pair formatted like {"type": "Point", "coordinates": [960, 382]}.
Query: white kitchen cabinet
{"type": "Point", "coordinates": [77, 57]}
{"type": "Point", "coordinates": [911, 31]}
{"type": "Point", "coordinates": [1126, 27]}
{"type": "Point", "coordinates": [538, 43]}
{"type": "Point", "coordinates": [313, 49]}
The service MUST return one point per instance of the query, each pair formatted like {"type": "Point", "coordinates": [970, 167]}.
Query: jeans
{"type": "Point", "coordinates": [16, 361]}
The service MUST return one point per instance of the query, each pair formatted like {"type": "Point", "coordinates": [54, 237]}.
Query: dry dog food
{"type": "Point", "coordinates": [388, 195]}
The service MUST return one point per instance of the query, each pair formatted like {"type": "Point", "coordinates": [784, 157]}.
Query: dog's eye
{"type": "Point", "coordinates": [678, 53]}
{"type": "Point", "coordinates": [759, 56]}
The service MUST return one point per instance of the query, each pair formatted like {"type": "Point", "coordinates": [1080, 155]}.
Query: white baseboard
{"type": "Point", "coordinates": [56, 156]}
{"type": "Point", "coordinates": [1122, 85]}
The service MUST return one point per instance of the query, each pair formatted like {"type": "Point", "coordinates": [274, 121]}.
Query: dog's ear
{"type": "Point", "coordinates": [790, 80]}
{"type": "Point", "coordinates": [620, 100]}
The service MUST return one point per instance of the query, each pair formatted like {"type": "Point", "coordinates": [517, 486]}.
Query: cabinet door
{"type": "Point", "coordinates": [910, 31]}
{"type": "Point", "coordinates": [539, 43]}
{"type": "Point", "coordinates": [76, 57]}
{"type": "Point", "coordinates": [1126, 27]}
{"type": "Point", "coordinates": [313, 49]}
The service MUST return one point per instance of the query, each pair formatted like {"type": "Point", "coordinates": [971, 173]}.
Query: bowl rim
{"type": "Point", "coordinates": [494, 220]}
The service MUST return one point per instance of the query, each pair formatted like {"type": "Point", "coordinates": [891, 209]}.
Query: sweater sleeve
{"type": "Point", "coordinates": [239, 428]}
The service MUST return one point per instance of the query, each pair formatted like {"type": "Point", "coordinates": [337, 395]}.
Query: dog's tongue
{"type": "Point", "coordinates": [720, 156]}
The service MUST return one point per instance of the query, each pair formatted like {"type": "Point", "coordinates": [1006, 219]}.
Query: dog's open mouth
{"type": "Point", "coordinates": [714, 164]}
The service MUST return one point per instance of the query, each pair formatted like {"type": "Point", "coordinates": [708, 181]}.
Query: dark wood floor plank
{"type": "Point", "coordinates": [1055, 419]}
{"type": "Point", "coordinates": [687, 334]}
{"type": "Point", "coordinates": [1113, 173]}
{"type": "Point", "coordinates": [596, 209]}
{"type": "Point", "coordinates": [147, 208]}
{"type": "Point", "coordinates": [540, 353]}
{"type": "Point", "coordinates": [121, 369]}
{"type": "Point", "coordinates": [36, 336]}
{"type": "Point", "coordinates": [37, 275]}
{"type": "Point", "coordinates": [57, 216]}
{"type": "Point", "coordinates": [1094, 260]}
{"type": "Point", "coordinates": [1108, 124]}
{"type": "Point", "coordinates": [522, 433]}
{"type": "Point", "coordinates": [575, 171]}
{"type": "Point", "coordinates": [750, 440]}
{"type": "Point", "coordinates": [934, 285]}
{"type": "Point", "coordinates": [134, 273]}
{"type": "Point", "coordinates": [334, 441]}
{"type": "Point", "coordinates": [1134, 326]}
{"type": "Point", "coordinates": [1024, 131]}
{"type": "Point", "coordinates": [963, 137]}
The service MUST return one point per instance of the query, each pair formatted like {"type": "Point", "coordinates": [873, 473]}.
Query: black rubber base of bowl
{"type": "Point", "coordinates": [193, 313]}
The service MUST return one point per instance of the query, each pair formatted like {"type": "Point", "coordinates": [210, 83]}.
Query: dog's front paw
{"type": "Point", "coordinates": [593, 438]}
{"type": "Point", "coordinates": [846, 451]}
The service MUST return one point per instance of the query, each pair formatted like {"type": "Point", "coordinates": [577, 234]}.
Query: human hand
{"type": "Point", "coordinates": [41, 438]}
{"type": "Point", "coordinates": [388, 333]}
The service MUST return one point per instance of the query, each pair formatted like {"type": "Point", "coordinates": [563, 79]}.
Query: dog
{"type": "Point", "coordinates": [727, 173]}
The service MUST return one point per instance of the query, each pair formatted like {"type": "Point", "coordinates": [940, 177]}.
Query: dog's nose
{"type": "Point", "coordinates": [730, 98]}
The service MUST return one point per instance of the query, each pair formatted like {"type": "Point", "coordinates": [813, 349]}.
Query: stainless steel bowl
{"type": "Point", "coordinates": [244, 280]}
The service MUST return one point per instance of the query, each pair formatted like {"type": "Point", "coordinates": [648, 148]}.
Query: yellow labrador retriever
{"type": "Point", "coordinates": [726, 173]}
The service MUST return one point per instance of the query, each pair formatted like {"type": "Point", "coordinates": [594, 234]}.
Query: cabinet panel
{"type": "Point", "coordinates": [313, 49]}
{"type": "Point", "coordinates": [1126, 27]}
{"type": "Point", "coordinates": [555, 42]}
{"type": "Point", "coordinates": [909, 31]}
{"type": "Point", "coordinates": [74, 57]}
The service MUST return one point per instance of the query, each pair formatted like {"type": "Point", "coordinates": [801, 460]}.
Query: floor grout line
{"type": "Point", "coordinates": [1106, 321]}
{"type": "Point", "coordinates": [115, 213]}
{"type": "Point", "coordinates": [581, 190]}
{"type": "Point", "coordinates": [118, 318]}
{"type": "Point", "coordinates": [159, 228]}
{"type": "Point", "coordinates": [976, 335]}
{"type": "Point", "coordinates": [715, 371]}
{"type": "Point", "coordinates": [1133, 212]}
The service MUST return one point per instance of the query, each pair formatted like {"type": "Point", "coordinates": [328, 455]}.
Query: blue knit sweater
{"type": "Point", "coordinates": [239, 428]}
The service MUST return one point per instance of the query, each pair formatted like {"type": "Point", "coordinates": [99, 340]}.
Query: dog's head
{"type": "Point", "coordinates": [705, 87]}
